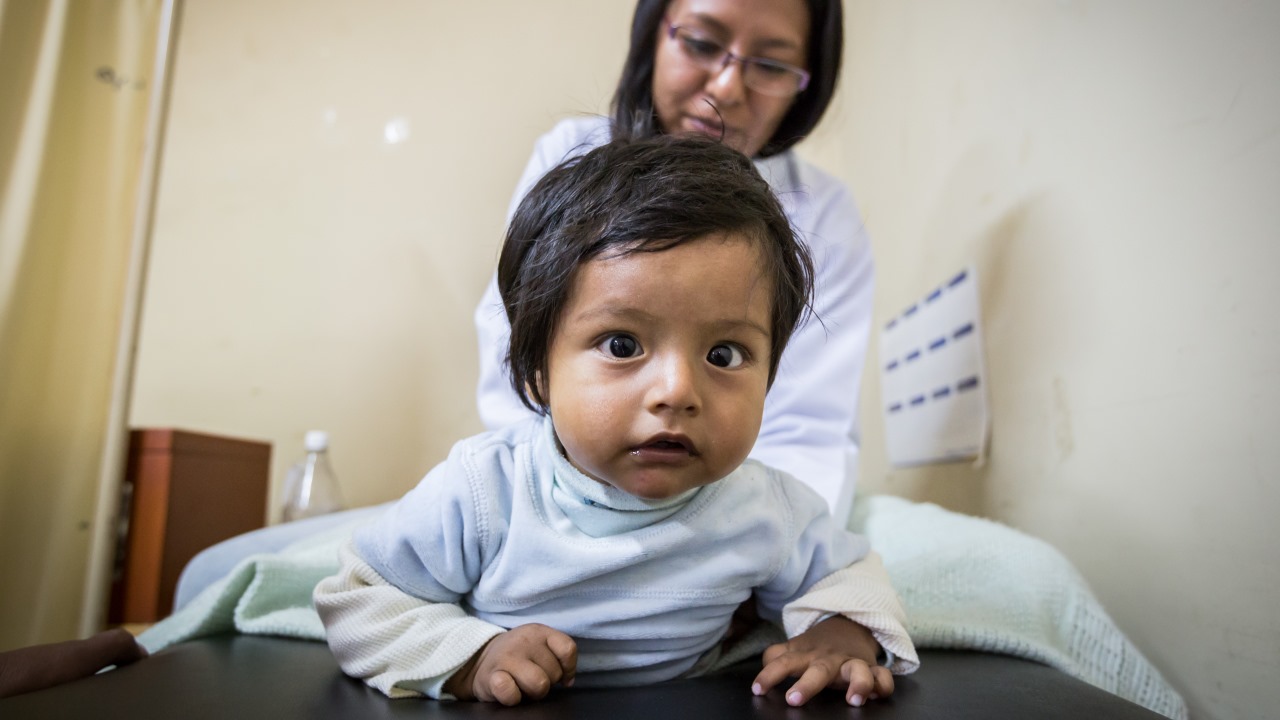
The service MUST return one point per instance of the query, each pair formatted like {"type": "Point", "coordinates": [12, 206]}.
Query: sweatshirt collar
{"type": "Point", "coordinates": [600, 510]}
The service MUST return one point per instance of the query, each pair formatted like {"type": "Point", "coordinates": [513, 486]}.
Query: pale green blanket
{"type": "Point", "coordinates": [966, 583]}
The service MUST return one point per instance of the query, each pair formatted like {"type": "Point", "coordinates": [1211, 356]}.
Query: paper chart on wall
{"type": "Point", "coordinates": [933, 378]}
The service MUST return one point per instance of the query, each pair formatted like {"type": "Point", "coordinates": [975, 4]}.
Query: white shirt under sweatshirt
{"type": "Point", "coordinates": [810, 415]}
{"type": "Point", "coordinates": [494, 538]}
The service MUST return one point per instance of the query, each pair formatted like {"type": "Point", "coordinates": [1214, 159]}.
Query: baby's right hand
{"type": "Point", "coordinates": [523, 662]}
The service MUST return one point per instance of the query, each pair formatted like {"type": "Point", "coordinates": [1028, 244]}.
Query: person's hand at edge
{"type": "Point", "coordinates": [41, 666]}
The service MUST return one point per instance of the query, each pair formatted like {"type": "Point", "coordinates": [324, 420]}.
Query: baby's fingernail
{"type": "Point", "coordinates": [795, 698]}
{"type": "Point", "coordinates": [569, 682]}
{"type": "Point", "coordinates": [856, 701]}
{"type": "Point", "coordinates": [873, 696]}
{"type": "Point", "coordinates": [756, 689]}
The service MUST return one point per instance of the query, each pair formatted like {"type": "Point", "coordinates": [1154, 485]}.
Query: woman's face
{"type": "Point", "coordinates": [691, 99]}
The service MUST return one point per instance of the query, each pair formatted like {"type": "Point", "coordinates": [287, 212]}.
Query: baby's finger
{"type": "Point", "coordinates": [884, 682]}
{"type": "Point", "coordinates": [773, 652]}
{"type": "Point", "coordinates": [775, 671]}
{"type": "Point", "coordinates": [533, 680]}
{"type": "Point", "coordinates": [503, 688]}
{"type": "Point", "coordinates": [861, 682]}
{"type": "Point", "coordinates": [819, 675]}
{"type": "Point", "coordinates": [550, 654]}
{"type": "Point", "coordinates": [566, 652]}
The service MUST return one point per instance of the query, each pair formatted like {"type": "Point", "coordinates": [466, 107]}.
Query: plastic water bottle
{"type": "Point", "coordinates": [311, 488]}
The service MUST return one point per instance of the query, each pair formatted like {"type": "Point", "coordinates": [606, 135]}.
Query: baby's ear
{"type": "Point", "coordinates": [539, 389]}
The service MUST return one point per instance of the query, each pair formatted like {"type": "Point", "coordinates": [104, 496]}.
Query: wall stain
{"type": "Point", "coordinates": [107, 74]}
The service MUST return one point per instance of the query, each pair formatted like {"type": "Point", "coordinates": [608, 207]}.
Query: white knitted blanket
{"type": "Point", "coordinates": [969, 583]}
{"type": "Point", "coordinates": [966, 583]}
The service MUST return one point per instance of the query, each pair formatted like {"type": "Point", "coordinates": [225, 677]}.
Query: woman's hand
{"type": "Point", "coordinates": [521, 663]}
{"type": "Point", "coordinates": [836, 652]}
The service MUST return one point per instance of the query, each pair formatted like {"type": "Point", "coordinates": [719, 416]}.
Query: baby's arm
{"type": "Point", "coordinates": [395, 642]}
{"type": "Point", "coordinates": [850, 616]}
{"type": "Point", "coordinates": [405, 646]}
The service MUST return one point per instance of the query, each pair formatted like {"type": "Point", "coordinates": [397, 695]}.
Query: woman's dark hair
{"type": "Point", "coordinates": [645, 195]}
{"type": "Point", "coordinates": [635, 116]}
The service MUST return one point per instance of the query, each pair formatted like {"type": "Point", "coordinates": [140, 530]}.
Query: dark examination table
{"type": "Point", "coordinates": [242, 676]}
{"type": "Point", "coordinates": [264, 676]}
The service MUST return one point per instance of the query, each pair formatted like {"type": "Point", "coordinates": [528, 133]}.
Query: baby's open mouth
{"type": "Point", "coordinates": [668, 444]}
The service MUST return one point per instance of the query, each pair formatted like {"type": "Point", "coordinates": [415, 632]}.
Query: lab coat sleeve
{"type": "Point", "coordinates": [810, 418]}
{"type": "Point", "coordinates": [497, 401]}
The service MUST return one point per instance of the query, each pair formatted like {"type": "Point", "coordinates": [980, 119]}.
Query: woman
{"type": "Point", "coordinates": [758, 74]}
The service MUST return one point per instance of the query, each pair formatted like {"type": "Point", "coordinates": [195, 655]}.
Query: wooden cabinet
{"type": "Point", "coordinates": [183, 491]}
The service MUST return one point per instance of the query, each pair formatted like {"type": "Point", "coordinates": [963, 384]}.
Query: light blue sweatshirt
{"type": "Point", "coordinates": [498, 529]}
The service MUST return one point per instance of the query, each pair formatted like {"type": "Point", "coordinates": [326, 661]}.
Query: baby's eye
{"type": "Point", "coordinates": [620, 346]}
{"type": "Point", "coordinates": [726, 356]}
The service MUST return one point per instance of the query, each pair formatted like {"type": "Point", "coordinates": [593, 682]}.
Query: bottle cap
{"type": "Point", "coordinates": [316, 441]}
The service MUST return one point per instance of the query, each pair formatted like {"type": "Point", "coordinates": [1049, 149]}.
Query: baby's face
{"type": "Point", "coordinates": [659, 365]}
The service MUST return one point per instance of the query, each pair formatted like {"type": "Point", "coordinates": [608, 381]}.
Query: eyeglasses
{"type": "Point", "coordinates": [765, 76]}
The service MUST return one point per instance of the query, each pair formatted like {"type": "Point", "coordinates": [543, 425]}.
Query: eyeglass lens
{"type": "Point", "coordinates": [770, 77]}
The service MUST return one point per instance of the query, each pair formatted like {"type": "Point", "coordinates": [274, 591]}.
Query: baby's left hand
{"type": "Point", "coordinates": [836, 652]}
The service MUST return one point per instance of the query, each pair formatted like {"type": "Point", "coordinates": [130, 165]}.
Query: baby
{"type": "Point", "coordinates": [651, 287]}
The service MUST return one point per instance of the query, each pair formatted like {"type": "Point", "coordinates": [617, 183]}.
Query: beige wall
{"type": "Point", "coordinates": [306, 272]}
{"type": "Point", "coordinates": [1105, 165]}
{"type": "Point", "coordinates": [1113, 171]}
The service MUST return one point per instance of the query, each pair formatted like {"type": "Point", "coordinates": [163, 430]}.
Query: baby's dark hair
{"type": "Point", "coordinates": [645, 195]}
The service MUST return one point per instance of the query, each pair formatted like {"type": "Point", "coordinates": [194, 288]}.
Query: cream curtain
{"type": "Point", "coordinates": [81, 99]}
